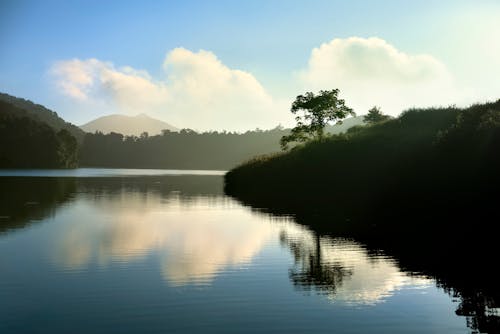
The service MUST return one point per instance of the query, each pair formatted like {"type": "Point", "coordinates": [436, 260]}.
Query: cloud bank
{"type": "Point", "coordinates": [370, 71]}
{"type": "Point", "coordinates": [197, 91]}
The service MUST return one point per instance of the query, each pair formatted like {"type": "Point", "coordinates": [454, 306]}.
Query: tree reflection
{"type": "Point", "coordinates": [482, 313]}
{"type": "Point", "coordinates": [342, 269]}
{"type": "Point", "coordinates": [24, 201]}
{"type": "Point", "coordinates": [481, 310]}
{"type": "Point", "coordinates": [310, 270]}
{"type": "Point", "coordinates": [452, 247]}
{"type": "Point", "coordinates": [27, 200]}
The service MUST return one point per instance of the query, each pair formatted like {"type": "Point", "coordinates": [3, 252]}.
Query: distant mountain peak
{"type": "Point", "coordinates": [128, 125]}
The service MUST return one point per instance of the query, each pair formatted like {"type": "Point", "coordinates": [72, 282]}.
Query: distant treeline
{"type": "Point", "coordinates": [186, 149]}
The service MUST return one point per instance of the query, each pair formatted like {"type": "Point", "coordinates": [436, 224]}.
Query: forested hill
{"type": "Point", "coordinates": [39, 113]}
{"type": "Point", "coordinates": [27, 142]}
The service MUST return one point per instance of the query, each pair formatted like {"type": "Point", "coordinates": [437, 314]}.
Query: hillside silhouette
{"type": "Point", "coordinates": [28, 142]}
{"type": "Point", "coordinates": [39, 113]}
{"type": "Point", "coordinates": [439, 157]}
{"type": "Point", "coordinates": [422, 187]}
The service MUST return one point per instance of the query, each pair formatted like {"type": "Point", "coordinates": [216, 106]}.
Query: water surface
{"type": "Point", "coordinates": [169, 252]}
{"type": "Point", "coordinates": [102, 172]}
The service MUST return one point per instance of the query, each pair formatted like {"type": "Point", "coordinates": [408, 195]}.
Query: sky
{"type": "Point", "coordinates": [238, 65]}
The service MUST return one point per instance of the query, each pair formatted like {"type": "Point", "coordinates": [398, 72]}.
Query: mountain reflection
{"type": "Point", "coordinates": [342, 269]}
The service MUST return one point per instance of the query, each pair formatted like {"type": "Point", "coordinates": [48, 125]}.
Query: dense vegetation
{"type": "Point", "coordinates": [29, 143]}
{"type": "Point", "coordinates": [179, 150]}
{"type": "Point", "coordinates": [39, 113]}
{"type": "Point", "coordinates": [186, 149]}
{"type": "Point", "coordinates": [425, 156]}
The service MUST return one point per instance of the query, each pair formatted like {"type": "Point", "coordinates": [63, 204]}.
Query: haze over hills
{"type": "Point", "coordinates": [345, 125]}
{"type": "Point", "coordinates": [127, 125]}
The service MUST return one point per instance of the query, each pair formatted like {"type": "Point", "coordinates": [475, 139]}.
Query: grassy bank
{"type": "Point", "coordinates": [432, 160]}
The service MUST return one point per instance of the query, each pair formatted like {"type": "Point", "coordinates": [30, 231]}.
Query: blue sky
{"type": "Point", "coordinates": [263, 49]}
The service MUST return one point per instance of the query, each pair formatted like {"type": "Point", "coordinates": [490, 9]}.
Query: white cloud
{"type": "Point", "coordinates": [370, 71]}
{"type": "Point", "coordinates": [77, 76]}
{"type": "Point", "coordinates": [198, 91]}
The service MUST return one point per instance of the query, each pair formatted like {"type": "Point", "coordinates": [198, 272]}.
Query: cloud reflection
{"type": "Point", "coordinates": [194, 238]}
{"type": "Point", "coordinates": [343, 270]}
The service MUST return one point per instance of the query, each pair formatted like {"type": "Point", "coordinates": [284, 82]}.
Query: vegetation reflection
{"type": "Point", "coordinates": [343, 269]}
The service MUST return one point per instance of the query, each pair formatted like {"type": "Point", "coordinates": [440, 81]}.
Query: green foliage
{"type": "Point", "coordinates": [318, 111]}
{"type": "Point", "coordinates": [186, 149]}
{"type": "Point", "coordinates": [28, 143]}
{"type": "Point", "coordinates": [424, 152]}
{"type": "Point", "coordinates": [375, 116]}
{"type": "Point", "coordinates": [39, 113]}
{"type": "Point", "coordinates": [68, 149]}
{"type": "Point", "coordinates": [475, 133]}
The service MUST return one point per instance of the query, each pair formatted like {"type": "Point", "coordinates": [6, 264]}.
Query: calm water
{"type": "Point", "coordinates": [170, 253]}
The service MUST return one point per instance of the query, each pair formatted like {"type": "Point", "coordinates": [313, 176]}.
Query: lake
{"type": "Point", "coordinates": [127, 251]}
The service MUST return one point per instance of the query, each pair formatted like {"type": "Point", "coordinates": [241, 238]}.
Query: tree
{"type": "Point", "coordinates": [67, 149]}
{"type": "Point", "coordinates": [375, 116]}
{"type": "Point", "coordinates": [318, 110]}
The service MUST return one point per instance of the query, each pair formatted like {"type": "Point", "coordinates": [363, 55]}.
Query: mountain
{"type": "Point", "coordinates": [127, 125]}
{"type": "Point", "coordinates": [39, 113]}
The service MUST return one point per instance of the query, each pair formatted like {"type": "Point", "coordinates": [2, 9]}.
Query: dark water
{"type": "Point", "coordinates": [171, 253]}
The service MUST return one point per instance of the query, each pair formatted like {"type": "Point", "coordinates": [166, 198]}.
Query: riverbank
{"type": "Point", "coordinates": [431, 160]}
{"type": "Point", "coordinates": [422, 187]}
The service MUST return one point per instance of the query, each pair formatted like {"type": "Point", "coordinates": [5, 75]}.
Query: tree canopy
{"type": "Point", "coordinates": [375, 116]}
{"type": "Point", "coordinates": [318, 111]}
{"type": "Point", "coordinates": [30, 143]}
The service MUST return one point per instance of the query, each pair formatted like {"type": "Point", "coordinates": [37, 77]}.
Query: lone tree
{"type": "Point", "coordinates": [375, 115]}
{"type": "Point", "coordinates": [318, 111]}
